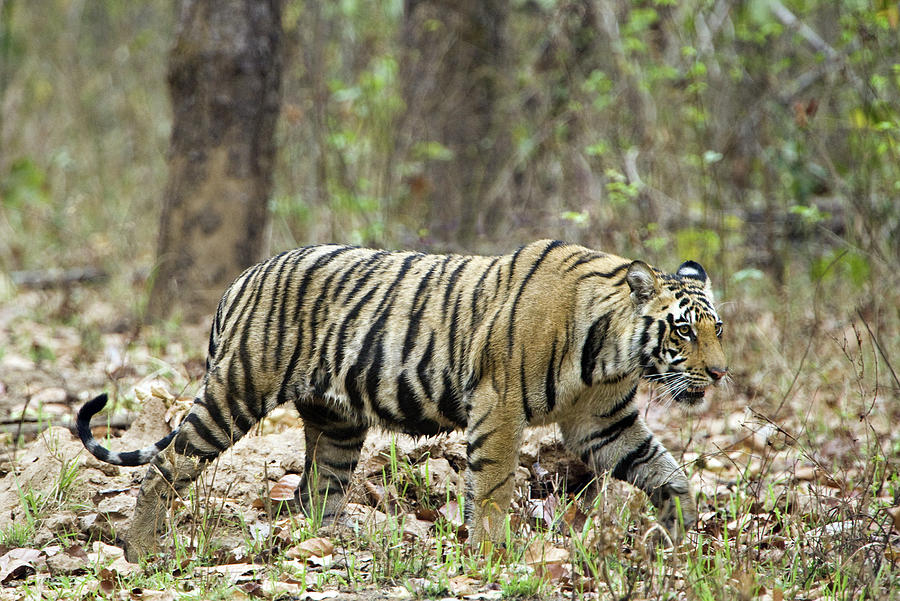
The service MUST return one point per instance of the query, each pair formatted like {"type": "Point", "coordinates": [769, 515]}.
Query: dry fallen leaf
{"type": "Point", "coordinates": [805, 473]}
{"type": "Point", "coordinates": [313, 547]}
{"type": "Point", "coordinates": [574, 517]}
{"type": "Point", "coordinates": [542, 552]}
{"type": "Point", "coordinates": [543, 510]}
{"type": "Point", "coordinates": [19, 563]}
{"type": "Point", "coordinates": [146, 594]}
{"type": "Point", "coordinates": [463, 585]}
{"type": "Point", "coordinates": [438, 476]}
{"type": "Point", "coordinates": [557, 573]}
{"type": "Point", "coordinates": [107, 579]}
{"type": "Point", "coordinates": [285, 488]}
{"type": "Point", "coordinates": [452, 513]}
{"type": "Point", "coordinates": [426, 514]}
{"type": "Point", "coordinates": [414, 528]}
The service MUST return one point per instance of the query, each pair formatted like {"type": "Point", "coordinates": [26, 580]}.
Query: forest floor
{"type": "Point", "coordinates": [798, 494]}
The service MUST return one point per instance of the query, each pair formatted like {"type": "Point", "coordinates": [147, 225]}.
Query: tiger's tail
{"type": "Point", "coordinates": [130, 458]}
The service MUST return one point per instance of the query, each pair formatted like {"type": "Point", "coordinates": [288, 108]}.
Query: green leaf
{"type": "Point", "coordinates": [432, 150]}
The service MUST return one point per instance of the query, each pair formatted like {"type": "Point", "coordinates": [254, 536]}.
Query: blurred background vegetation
{"type": "Point", "coordinates": [758, 137]}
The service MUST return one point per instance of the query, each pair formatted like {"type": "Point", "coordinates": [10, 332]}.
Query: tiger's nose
{"type": "Point", "coordinates": [716, 373]}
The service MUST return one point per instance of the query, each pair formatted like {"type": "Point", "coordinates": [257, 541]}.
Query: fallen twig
{"type": "Point", "coordinates": [44, 279]}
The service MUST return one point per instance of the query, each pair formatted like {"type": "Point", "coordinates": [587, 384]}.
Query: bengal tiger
{"type": "Point", "coordinates": [425, 343]}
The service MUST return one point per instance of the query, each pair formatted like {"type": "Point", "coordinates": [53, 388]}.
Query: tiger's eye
{"type": "Point", "coordinates": [720, 328]}
{"type": "Point", "coordinates": [684, 330]}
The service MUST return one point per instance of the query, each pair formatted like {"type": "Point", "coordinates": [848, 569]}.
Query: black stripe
{"type": "Point", "coordinates": [423, 366]}
{"type": "Point", "coordinates": [249, 311]}
{"type": "Point", "coordinates": [372, 380]}
{"type": "Point", "coordinates": [550, 380]}
{"type": "Point", "coordinates": [347, 445]}
{"type": "Point", "coordinates": [132, 458]}
{"type": "Point", "coordinates": [188, 448]}
{"type": "Point", "coordinates": [202, 431]}
{"type": "Point", "coordinates": [351, 384]}
{"type": "Point", "coordinates": [478, 464]}
{"type": "Point", "coordinates": [512, 267]}
{"type": "Point", "coordinates": [419, 303]}
{"type": "Point", "coordinates": [338, 466]}
{"type": "Point", "coordinates": [278, 294]}
{"type": "Point", "coordinates": [254, 400]}
{"type": "Point", "coordinates": [453, 327]}
{"type": "Point", "coordinates": [526, 407]}
{"type": "Point", "coordinates": [593, 344]}
{"type": "Point", "coordinates": [279, 310]}
{"type": "Point", "coordinates": [621, 470]}
{"type": "Point", "coordinates": [308, 277]}
{"type": "Point", "coordinates": [605, 274]}
{"type": "Point", "coordinates": [647, 458]}
{"type": "Point", "coordinates": [321, 416]}
{"type": "Point", "coordinates": [449, 401]}
{"type": "Point", "coordinates": [478, 294]}
{"type": "Point", "coordinates": [345, 325]}
{"type": "Point", "coordinates": [215, 414]}
{"type": "Point", "coordinates": [587, 257]}
{"type": "Point", "coordinates": [480, 421]}
{"type": "Point", "coordinates": [163, 471]}
{"type": "Point", "coordinates": [401, 274]}
{"type": "Point", "coordinates": [240, 417]}
{"type": "Point", "coordinates": [473, 446]}
{"type": "Point", "coordinates": [624, 402]}
{"type": "Point", "coordinates": [608, 434]}
{"type": "Point", "coordinates": [342, 482]}
{"type": "Point", "coordinates": [350, 431]}
{"type": "Point", "coordinates": [451, 284]}
{"type": "Point", "coordinates": [374, 263]}
{"type": "Point", "coordinates": [497, 486]}
{"type": "Point", "coordinates": [318, 314]}
{"type": "Point", "coordinates": [515, 303]}
{"type": "Point", "coordinates": [645, 332]}
{"type": "Point", "coordinates": [409, 404]}
{"type": "Point", "coordinates": [660, 335]}
{"type": "Point", "coordinates": [238, 296]}
{"type": "Point", "coordinates": [349, 270]}
{"type": "Point", "coordinates": [373, 372]}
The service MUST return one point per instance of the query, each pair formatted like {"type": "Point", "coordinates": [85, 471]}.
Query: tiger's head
{"type": "Point", "coordinates": [679, 338]}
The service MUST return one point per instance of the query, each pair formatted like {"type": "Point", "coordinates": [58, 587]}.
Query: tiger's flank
{"type": "Point", "coordinates": [419, 343]}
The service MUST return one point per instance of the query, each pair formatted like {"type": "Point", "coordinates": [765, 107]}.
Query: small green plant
{"type": "Point", "coordinates": [523, 583]}
{"type": "Point", "coordinates": [18, 534]}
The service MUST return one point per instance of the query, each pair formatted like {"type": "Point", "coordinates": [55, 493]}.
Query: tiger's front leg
{"type": "Point", "coordinates": [620, 442]}
{"type": "Point", "coordinates": [493, 437]}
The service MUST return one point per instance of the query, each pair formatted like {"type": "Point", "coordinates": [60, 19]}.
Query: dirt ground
{"type": "Point", "coordinates": [69, 508]}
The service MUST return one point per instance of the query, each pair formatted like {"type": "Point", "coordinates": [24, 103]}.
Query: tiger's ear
{"type": "Point", "coordinates": [642, 281]}
{"type": "Point", "coordinates": [694, 270]}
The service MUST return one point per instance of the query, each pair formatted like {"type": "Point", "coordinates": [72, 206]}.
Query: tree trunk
{"type": "Point", "coordinates": [454, 65]}
{"type": "Point", "coordinates": [225, 83]}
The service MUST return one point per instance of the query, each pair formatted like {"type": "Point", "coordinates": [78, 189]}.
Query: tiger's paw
{"type": "Point", "coordinates": [676, 510]}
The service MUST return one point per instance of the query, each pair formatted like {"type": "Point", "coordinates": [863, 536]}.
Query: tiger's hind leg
{"type": "Point", "coordinates": [212, 425]}
{"type": "Point", "coordinates": [169, 476]}
{"type": "Point", "coordinates": [333, 446]}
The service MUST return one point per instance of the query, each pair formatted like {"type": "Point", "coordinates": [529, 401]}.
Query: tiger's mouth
{"type": "Point", "coordinates": [691, 396]}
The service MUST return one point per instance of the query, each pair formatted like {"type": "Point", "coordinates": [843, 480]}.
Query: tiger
{"type": "Point", "coordinates": [427, 343]}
